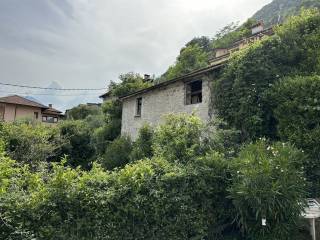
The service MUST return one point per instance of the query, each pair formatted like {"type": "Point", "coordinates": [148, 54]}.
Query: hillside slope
{"type": "Point", "coordinates": [279, 10]}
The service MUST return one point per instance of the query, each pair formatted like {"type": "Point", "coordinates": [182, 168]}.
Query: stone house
{"type": "Point", "coordinates": [187, 94]}
{"type": "Point", "coordinates": [15, 107]}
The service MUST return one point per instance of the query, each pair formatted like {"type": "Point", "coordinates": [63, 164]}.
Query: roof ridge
{"type": "Point", "coordinates": [25, 99]}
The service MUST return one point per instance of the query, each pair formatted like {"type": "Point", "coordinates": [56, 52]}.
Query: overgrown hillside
{"type": "Point", "coordinates": [278, 10]}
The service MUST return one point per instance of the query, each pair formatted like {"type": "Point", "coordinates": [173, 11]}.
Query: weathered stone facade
{"type": "Point", "coordinates": [160, 101]}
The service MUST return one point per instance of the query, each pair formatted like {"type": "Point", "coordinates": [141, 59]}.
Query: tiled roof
{"type": "Point", "coordinates": [52, 111]}
{"type": "Point", "coordinates": [15, 99]}
{"type": "Point", "coordinates": [107, 94]}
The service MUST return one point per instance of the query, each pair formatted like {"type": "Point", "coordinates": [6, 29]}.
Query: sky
{"type": "Point", "coordinates": [87, 43]}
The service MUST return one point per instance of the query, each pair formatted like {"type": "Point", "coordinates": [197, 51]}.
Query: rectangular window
{"type": "Point", "coordinates": [50, 119]}
{"type": "Point", "coordinates": [36, 115]}
{"type": "Point", "coordinates": [194, 92]}
{"type": "Point", "coordinates": [138, 107]}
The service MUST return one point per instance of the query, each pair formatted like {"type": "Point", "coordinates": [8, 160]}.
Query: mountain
{"type": "Point", "coordinates": [63, 100]}
{"type": "Point", "coordinates": [279, 10]}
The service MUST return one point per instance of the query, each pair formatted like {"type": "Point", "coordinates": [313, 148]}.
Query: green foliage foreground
{"type": "Point", "coordinates": [193, 194]}
{"type": "Point", "coordinates": [271, 89]}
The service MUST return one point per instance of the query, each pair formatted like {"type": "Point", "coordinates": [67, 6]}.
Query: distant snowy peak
{"type": "Point", "coordinates": [55, 85]}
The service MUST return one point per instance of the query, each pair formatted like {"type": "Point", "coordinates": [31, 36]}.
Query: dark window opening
{"type": "Point", "coordinates": [139, 106]}
{"type": "Point", "coordinates": [50, 119]}
{"type": "Point", "coordinates": [194, 92]}
{"type": "Point", "coordinates": [36, 115]}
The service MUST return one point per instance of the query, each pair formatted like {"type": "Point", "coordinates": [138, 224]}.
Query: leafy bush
{"type": "Point", "coordinates": [31, 143]}
{"type": "Point", "coordinates": [142, 147]}
{"type": "Point", "coordinates": [152, 199]}
{"type": "Point", "coordinates": [297, 111]}
{"type": "Point", "coordinates": [240, 93]}
{"type": "Point", "coordinates": [191, 58]}
{"type": "Point", "coordinates": [232, 33]}
{"type": "Point", "coordinates": [117, 153]}
{"type": "Point", "coordinates": [82, 111]}
{"type": "Point", "coordinates": [181, 193]}
{"type": "Point", "coordinates": [178, 139]}
{"type": "Point", "coordinates": [219, 137]}
{"type": "Point", "coordinates": [268, 183]}
{"type": "Point", "coordinates": [77, 143]}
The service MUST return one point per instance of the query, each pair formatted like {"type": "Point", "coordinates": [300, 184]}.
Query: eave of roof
{"type": "Point", "coordinates": [52, 111]}
{"type": "Point", "coordinates": [18, 100]}
{"type": "Point", "coordinates": [189, 75]}
{"type": "Point", "coordinates": [105, 94]}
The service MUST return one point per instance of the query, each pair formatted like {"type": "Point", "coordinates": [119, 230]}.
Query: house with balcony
{"type": "Point", "coordinates": [258, 32]}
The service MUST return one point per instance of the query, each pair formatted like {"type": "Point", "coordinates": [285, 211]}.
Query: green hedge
{"type": "Point", "coordinates": [198, 196]}
{"type": "Point", "coordinates": [296, 104]}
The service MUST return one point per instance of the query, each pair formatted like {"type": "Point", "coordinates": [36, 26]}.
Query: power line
{"type": "Point", "coordinates": [49, 88]}
{"type": "Point", "coordinates": [48, 94]}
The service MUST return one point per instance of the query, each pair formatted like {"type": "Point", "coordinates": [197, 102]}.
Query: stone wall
{"type": "Point", "coordinates": [161, 101]}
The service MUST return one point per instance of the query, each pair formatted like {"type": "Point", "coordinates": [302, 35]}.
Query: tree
{"type": "Point", "coordinates": [191, 58]}
{"type": "Point", "coordinates": [112, 109]}
{"type": "Point", "coordinates": [77, 143]}
{"type": "Point", "coordinates": [231, 33]}
{"type": "Point", "coordinates": [268, 183]}
{"type": "Point", "coordinates": [203, 42]}
{"type": "Point", "coordinates": [296, 107]}
{"type": "Point", "coordinates": [82, 111]}
{"type": "Point", "coordinates": [129, 83]}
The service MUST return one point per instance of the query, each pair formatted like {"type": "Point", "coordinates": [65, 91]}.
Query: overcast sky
{"type": "Point", "coordinates": [86, 43]}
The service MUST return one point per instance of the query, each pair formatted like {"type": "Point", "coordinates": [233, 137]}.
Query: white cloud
{"type": "Point", "coordinates": [84, 43]}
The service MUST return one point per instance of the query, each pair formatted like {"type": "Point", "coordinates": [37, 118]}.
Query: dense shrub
{"type": "Point", "coordinates": [82, 111]}
{"type": "Point", "coordinates": [77, 145]}
{"type": "Point", "coordinates": [191, 58]}
{"type": "Point", "coordinates": [174, 195]}
{"type": "Point", "coordinates": [31, 143]}
{"type": "Point", "coordinates": [105, 134]}
{"type": "Point", "coordinates": [296, 104]}
{"type": "Point", "coordinates": [152, 199]}
{"type": "Point", "coordinates": [117, 153]}
{"type": "Point", "coordinates": [240, 93]}
{"type": "Point", "coordinates": [232, 33]}
{"type": "Point", "coordinates": [179, 138]}
{"type": "Point", "coordinates": [142, 147]}
{"type": "Point", "coordinates": [219, 137]}
{"type": "Point", "coordinates": [268, 183]}
{"type": "Point", "coordinates": [112, 110]}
